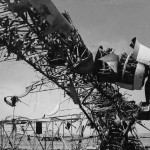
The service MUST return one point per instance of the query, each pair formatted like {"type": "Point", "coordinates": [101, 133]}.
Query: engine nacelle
{"type": "Point", "coordinates": [139, 76]}
{"type": "Point", "coordinates": [137, 80]}
{"type": "Point", "coordinates": [141, 53]}
{"type": "Point", "coordinates": [124, 71]}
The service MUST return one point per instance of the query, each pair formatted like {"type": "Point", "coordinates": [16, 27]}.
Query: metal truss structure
{"type": "Point", "coordinates": [52, 133]}
{"type": "Point", "coordinates": [66, 63]}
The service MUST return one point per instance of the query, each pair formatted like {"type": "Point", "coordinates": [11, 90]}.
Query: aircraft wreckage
{"type": "Point", "coordinates": [36, 32]}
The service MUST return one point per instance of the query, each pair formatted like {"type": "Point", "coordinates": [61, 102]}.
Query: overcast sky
{"type": "Point", "coordinates": [111, 23]}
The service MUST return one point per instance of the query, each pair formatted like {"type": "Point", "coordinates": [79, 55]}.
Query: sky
{"type": "Point", "coordinates": [111, 23]}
